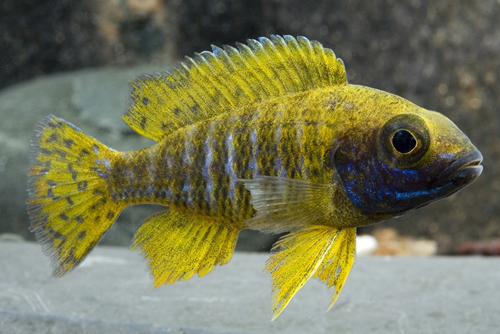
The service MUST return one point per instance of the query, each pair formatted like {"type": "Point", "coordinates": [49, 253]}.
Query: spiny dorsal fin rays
{"type": "Point", "coordinates": [214, 82]}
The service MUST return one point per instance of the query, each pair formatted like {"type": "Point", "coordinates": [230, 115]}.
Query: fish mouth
{"type": "Point", "coordinates": [463, 170]}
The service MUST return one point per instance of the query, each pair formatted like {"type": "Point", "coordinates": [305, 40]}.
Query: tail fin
{"type": "Point", "coordinates": [69, 203]}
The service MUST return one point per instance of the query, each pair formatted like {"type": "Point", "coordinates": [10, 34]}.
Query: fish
{"type": "Point", "coordinates": [267, 135]}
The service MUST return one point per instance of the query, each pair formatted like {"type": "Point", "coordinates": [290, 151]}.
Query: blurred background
{"type": "Point", "coordinates": [74, 58]}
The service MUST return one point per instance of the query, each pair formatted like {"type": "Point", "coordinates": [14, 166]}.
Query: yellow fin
{"type": "Point", "coordinates": [214, 82]}
{"type": "Point", "coordinates": [69, 205]}
{"type": "Point", "coordinates": [181, 244]}
{"type": "Point", "coordinates": [338, 262]}
{"type": "Point", "coordinates": [285, 204]}
{"type": "Point", "coordinates": [301, 255]}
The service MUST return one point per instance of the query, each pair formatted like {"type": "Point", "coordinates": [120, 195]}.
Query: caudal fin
{"type": "Point", "coordinates": [69, 203]}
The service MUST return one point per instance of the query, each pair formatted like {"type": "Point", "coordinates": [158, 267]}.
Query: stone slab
{"type": "Point", "coordinates": [111, 293]}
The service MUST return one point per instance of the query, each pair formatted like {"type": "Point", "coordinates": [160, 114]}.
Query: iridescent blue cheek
{"type": "Point", "coordinates": [405, 189]}
{"type": "Point", "coordinates": [376, 186]}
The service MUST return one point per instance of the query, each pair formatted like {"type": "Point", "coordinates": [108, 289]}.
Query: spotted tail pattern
{"type": "Point", "coordinates": [69, 202]}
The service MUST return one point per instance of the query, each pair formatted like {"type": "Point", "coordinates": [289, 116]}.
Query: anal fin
{"type": "Point", "coordinates": [321, 251]}
{"type": "Point", "coordinates": [180, 244]}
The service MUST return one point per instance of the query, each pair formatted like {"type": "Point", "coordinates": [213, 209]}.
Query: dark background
{"type": "Point", "coordinates": [443, 55]}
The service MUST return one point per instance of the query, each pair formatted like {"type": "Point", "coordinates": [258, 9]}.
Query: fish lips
{"type": "Point", "coordinates": [462, 171]}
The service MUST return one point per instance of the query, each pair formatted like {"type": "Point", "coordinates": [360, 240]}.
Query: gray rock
{"type": "Point", "coordinates": [110, 293]}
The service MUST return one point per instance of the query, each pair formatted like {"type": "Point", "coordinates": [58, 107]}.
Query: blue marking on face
{"type": "Point", "coordinates": [377, 186]}
{"type": "Point", "coordinates": [416, 193]}
{"type": "Point", "coordinates": [447, 156]}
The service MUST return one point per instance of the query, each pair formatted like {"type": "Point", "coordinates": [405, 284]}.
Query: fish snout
{"type": "Point", "coordinates": [462, 171]}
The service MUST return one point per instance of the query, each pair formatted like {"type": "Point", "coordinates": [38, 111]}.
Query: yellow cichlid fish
{"type": "Point", "coordinates": [266, 136]}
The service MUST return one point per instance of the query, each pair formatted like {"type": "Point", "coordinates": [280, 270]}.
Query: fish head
{"type": "Point", "coordinates": [404, 160]}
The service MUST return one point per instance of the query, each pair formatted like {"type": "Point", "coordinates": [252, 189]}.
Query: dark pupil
{"type": "Point", "coordinates": [403, 141]}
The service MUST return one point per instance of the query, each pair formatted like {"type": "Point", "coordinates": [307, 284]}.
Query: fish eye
{"type": "Point", "coordinates": [404, 140]}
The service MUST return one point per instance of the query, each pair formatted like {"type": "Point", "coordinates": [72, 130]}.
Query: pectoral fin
{"type": "Point", "coordinates": [180, 244]}
{"type": "Point", "coordinates": [284, 204]}
{"type": "Point", "coordinates": [320, 251]}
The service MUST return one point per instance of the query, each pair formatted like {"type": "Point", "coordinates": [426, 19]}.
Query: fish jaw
{"type": "Point", "coordinates": [463, 170]}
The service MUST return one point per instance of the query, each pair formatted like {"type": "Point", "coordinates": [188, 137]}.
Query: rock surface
{"type": "Point", "coordinates": [110, 293]}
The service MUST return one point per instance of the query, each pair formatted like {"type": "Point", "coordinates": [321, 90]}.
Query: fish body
{"type": "Point", "coordinates": [285, 138]}
{"type": "Point", "coordinates": [266, 136]}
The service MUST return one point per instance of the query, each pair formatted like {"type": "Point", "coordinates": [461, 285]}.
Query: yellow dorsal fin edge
{"type": "Point", "coordinates": [213, 83]}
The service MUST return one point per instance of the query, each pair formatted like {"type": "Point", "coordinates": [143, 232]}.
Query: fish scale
{"type": "Point", "coordinates": [235, 155]}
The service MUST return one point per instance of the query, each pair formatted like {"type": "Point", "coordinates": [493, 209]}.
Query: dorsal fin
{"type": "Point", "coordinates": [214, 82]}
